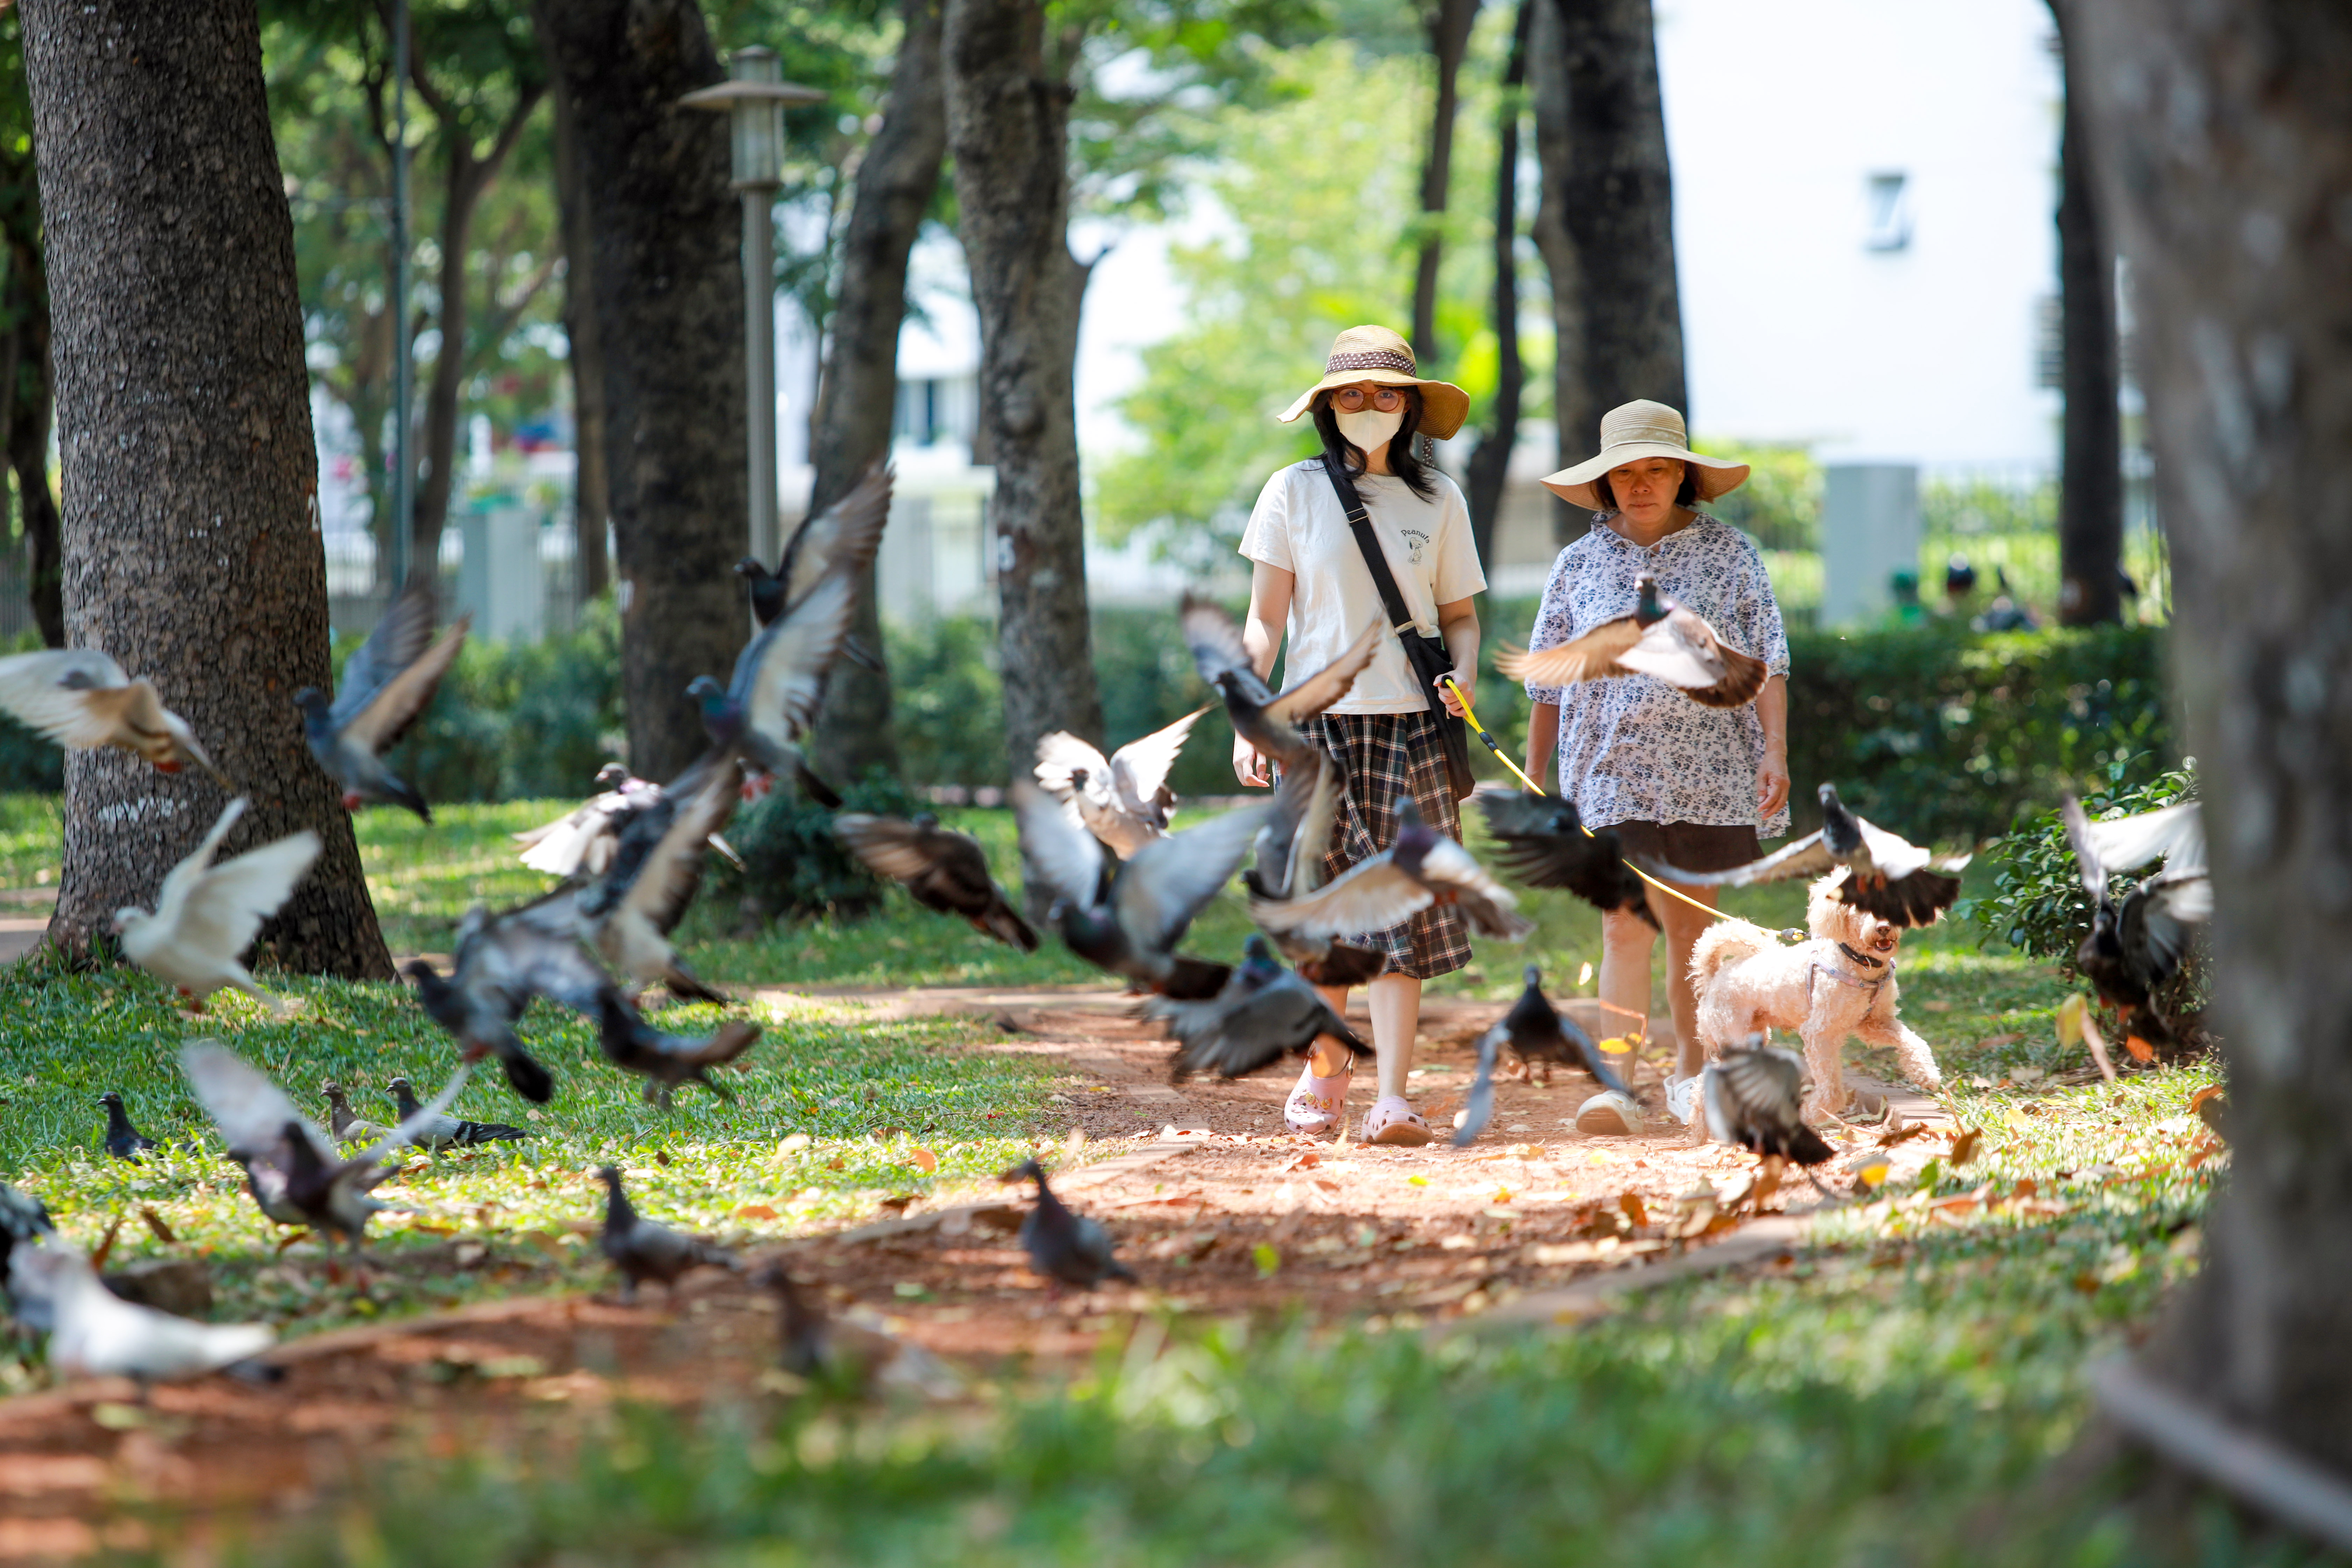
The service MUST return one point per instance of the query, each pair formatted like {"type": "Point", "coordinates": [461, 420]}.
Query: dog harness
{"type": "Point", "coordinates": [1870, 985]}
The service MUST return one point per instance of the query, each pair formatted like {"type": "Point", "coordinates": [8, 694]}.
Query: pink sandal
{"type": "Point", "coordinates": [1393, 1121]}
{"type": "Point", "coordinates": [1316, 1105]}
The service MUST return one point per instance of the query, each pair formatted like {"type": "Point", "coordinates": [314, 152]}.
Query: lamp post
{"type": "Point", "coordinates": [754, 99]}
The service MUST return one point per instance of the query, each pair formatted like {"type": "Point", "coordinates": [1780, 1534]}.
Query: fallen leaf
{"type": "Point", "coordinates": [1616, 1045]}
{"type": "Point", "coordinates": [834, 1163]}
{"type": "Point", "coordinates": [1964, 1148]}
{"type": "Point", "coordinates": [1502, 1195]}
{"type": "Point", "coordinates": [1900, 1132]}
{"type": "Point", "coordinates": [1870, 1169]}
{"type": "Point", "coordinates": [1266, 1258]}
{"type": "Point", "coordinates": [2018, 1119]}
{"type": "Point", "coordinates": [1417, 1181]}
{"type": "Point", "coordinates": [2210, 1092]}
{"type": "Point", "coordinates": [1994, 1042]}
{"type": "Point", "coordinates": [1306, 1162]}
{"type": "Point", "coordinates": [2141, 1049]}
{"type": "Point", "coordinates": [1584, 975]}
{"type": "Point", "coordinates": [1635, 1210]}
{"type": "Point", "coordinates": [105, 1244]}
{"type": "Point", "coordinates": [2070, 1019]}
{"type": "Point", "coordinates": [755, 1211]}
{"type": "Point", "coordinates": [924, 1160]}
{"type": "Point", "coordinates": [155, 1225]}
{"type": "Point", "coordinates": [2025, 1188]}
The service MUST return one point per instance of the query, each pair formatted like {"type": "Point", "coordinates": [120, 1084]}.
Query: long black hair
{"type": "Point", "coordinates": [1404, 459]}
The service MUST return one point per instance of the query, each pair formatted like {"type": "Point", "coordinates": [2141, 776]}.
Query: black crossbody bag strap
{"type": "Point", "coordinates": [1359, 521]}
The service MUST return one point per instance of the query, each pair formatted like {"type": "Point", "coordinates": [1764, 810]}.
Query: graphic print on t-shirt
{"type": "Point", "coordinates": [1415, 541]}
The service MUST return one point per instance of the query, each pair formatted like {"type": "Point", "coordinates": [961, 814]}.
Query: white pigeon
{"type": "Point", "coordinates": [80, 698]}
{"type": "Point", "coordinates": [1124, 801]}
{"type": "Point", "coordinates": [98, 1334]}
{"type": "Point", "coordinates": [207, 914]}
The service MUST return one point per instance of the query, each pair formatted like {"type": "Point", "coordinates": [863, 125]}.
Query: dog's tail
{"type": "Point", "coordinates": [1726, 941]}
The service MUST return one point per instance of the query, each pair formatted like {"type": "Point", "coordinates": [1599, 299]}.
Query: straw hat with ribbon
{"type": "Point", "coordinates": [1377, 354]}
{"type": "Point", "coordinates": [1630, 433]}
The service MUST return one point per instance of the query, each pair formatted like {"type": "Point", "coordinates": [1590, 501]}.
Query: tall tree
{"type": "Point", "coordinates": [2222, 140]}
{"type": "Point", "coordinates": [665, 259]}
{"type": "Point", "coordinates": [1449, 23]}
{"type": "Point", "coordinates": [1008, 99]}
{"type": "Point", "coordinates": [1605, 226]}
{"type": "Point", "coordinates": [2091, 478]}
{"type": "Point", "coordinates": [25, 389]}
{"type": "Point", "coordinates": [896, 180]}
{"type": "Point", "coordinates": [1490, 464]}
{"type": "Point", "coordinates": [190, 551]}
{"type": "Point", "coordinates": [592, 505]}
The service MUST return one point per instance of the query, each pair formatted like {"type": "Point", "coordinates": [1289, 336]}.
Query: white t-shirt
{"type": "Point", "coordinates": [1298, 526]}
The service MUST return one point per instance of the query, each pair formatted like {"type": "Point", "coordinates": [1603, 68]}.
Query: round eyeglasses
{"type": "Point", "coordinates": [1387, 399]}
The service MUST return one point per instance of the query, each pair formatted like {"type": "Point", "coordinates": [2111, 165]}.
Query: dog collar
{"type": "Point", "coordinates": [1862, 958]}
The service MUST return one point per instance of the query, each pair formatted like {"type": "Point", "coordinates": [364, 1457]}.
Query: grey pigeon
{"type": "Point", "coordinates": [1889, 877]}
{"type": "Point", "coordinates": [24, 1219]}
{"type": "Point", "coordinates": [1422, 868]}
{"type": "Point", "coordinates": [1127, 917]}
{"type": "Point", "coordinates": [845, 536]}
{"type": "Point", "coordinates": [1754, 1094]}
{"type": "Point", "coordinates": [443, 1130]}
{"type": "Point", "coordinates": [1533, 1031]}
{"type": "Point", "coordinates": [666, 1062]}
{"type": "Point", "coordinates": [1266, 719]}
{"type": "Point", "coordinates": [1291, 851]}
{"type": "Point", "coordinates": [628, 914]}
{"type": "Point", "coordinates": [1124, 800]}
{"type": "Point", "coordinates": [502, 961]}
{"type": "Point", "coordinates": [582, 841]}
{"type": "Point", "coordinates": [855, 1358]}
{"type": "Point", "coordinates": [943, 869]}
{"type": "Point", "coordinates": [1657, 638]}
{"type": "Point", "coordinates": [1265, 1014]}
{"type": "Point", "coordinates": [386, 686]}
{"type": "Point", "coordinates": [96, 1333]}
{"type": "Point", "coordinates": [78, 698]}
{"type": "Point", "coordinates": [343, 1121]}
{"type": "Point", "coordinates": [123, 1140]}
{"type": "Point", "coordinates": [2136, 945]}
{"type": "Point", "coordinates": [778, 685]}
{"type": "Point", "coordinates": [1543, 843]}
{"type": "Point", "coordinates": [1066, 1247]}
{"type": "Point", "coordinates": [642, 1250]}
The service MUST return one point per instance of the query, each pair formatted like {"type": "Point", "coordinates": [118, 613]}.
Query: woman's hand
{"type": "Point", "coordinates": [1468, 679]}
{"type": "Point", "coordinates": [1773, 779]}
{"type": "Point", "coordinates": [1250, 768]}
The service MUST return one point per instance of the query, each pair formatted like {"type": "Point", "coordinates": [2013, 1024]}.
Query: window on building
{"type": "Point", "coordinates": [2049, 344]}
{"type": "Point", "coordinates": [1889, 212]}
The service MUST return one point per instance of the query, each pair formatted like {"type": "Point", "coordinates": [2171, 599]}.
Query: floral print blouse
{"type": "Point", "coordinates": [1632, 748]}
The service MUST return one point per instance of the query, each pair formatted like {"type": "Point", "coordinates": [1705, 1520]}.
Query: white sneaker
{"type": "Point", "coordinates": [1682, 1095]}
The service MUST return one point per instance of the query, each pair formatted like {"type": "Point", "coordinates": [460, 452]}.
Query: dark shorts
{"type": "Point", "coordinates": [1689, 845]}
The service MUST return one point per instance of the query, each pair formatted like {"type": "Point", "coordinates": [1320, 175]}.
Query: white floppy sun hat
{"type": "Point", "coordinates": [1379, 356]}
{"type": "Point", "coordinates": [1634, 431]}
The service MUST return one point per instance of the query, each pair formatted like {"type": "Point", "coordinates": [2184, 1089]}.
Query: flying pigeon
{"type": "Point", "coordinates": [1263, 1013]}
{"type": "Point", "coordinates": [582, 842]}
{"type": "Point", "coordinates": [1065, 1247]}
{"type": "Point", "coordinates": [1891, 878]}
{"type": "Point", "coordinates": [1127, 917]}
{"type": "Point", "coordinates": [1290, 851]}
{"type": "Point", "coordinates": [123, 1140]}
{"type": "Point", "coordinates": [1544, 845]}
{"type": "Point", "coordinates": [778, 685]}
{"type": "Point", "coordinates": [943, 869]}
{"type": "Point", "coordinates": [643, 1250]}
{"type": "Point", "coordinates": [1421, 868]}
{"type": "Point", "coordinates": [81, 699]}
{"type": "Point", "coordinates": [96, 1333]}
{"type": "Point", "coordinates": [628, 914]}
{"type": "Point", "coordinates": [1657, 638]}
{"type": "Point", "coordinates": [1533, 1031]}
{"type": "Point", "coordinates": [1754, 1094]}
{"type": "Point", "coordinates": [856, 1357]}
{"type": "Point", "coordinates": [207, 914]}
{"type": "Point", "coordinates": [1264, 720]}
{"type": "Point", "coordinates": [667, 1061]}
{"type": "Point", "coordinates": [387, 685]}
{"type": "Point", "coordinates": [444, 1131]}
{"type": "Point", "coordinates": [1124, 800]}
{"type": "Point", "coordinates": [843, 537]}
{"type": "Point", "coordinates": [503, 961]}
{"type": "Point", "coordinates": [24, 1220]}
{"type": "Point", "coordinates": [2135, 946]}
{"type": "Point", "coordinates": [345, 1123]}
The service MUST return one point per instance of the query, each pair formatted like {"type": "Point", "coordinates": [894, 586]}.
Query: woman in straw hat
{"type": "Point", "coordinates": [1691, 786]}
{"type": "Point", "coordinates": [1310, 577]}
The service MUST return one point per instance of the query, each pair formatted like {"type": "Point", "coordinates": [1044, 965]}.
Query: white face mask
{"type": "Point", "coordinates": [1368, 427]}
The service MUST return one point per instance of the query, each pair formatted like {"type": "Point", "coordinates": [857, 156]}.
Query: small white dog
{"type": "Point", "coordinates": [1838, 984]}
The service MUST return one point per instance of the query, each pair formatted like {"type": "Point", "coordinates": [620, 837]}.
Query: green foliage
{"type": "Point", "coordinates": [1781, 505]}
{"type": "Point", "coordinates": [29, 763]}
{"type": "Point", "coordinates": [2038, 905]}
{"type": "Point", "coordinates": [793, 864]}
{"type": "Point", "coordinates": [948, 701]}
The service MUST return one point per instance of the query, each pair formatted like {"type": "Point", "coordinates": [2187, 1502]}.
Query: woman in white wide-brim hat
{"type": "Point", "coordinates": [1309, 578]}
{"type": "Point", "coordinates": [1691, 786]}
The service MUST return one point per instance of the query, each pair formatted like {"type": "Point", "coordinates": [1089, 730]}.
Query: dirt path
{"type": "Point", "coordinates": [1216, 1208]}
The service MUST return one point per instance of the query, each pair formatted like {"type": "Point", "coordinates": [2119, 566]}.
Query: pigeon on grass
{"type": "Point", "coordinates": [1125, 800]}
{"type": "Point", "coordinates": [2136, 944]}
{"type": "Point", "coordinates": [1422, 868]}
{"type": "Point", "coordinates": [666, 1062]}
{"type": "Point", "coordinates": [207, 914]}
{"type": "Point", "coordinates": [1533, 1031]}
{"type": "Point", "coordinates": [1067, 1248]}
{"type": "Point", "coordinates": [96, 1333]}
{"type": "Point", "coordinates": [1291, 849]}
{"type": "Point", "coordinates": [343, 1121]}
{"type": "Point", "coordinates": [1126, 917]}
{"type": "Point", "coordinates": [942, 869]}
{"type": "Point", "coordinates": [856, 1359]}
{"type": "Point", "coordinates": [1657, 638]}
{"type": "Point", "coordinates": [1268, 721]}
{"type": "Point", "coordinates": [81, 699]}
{"type": "Point", "coordinates": [444, 1131]}
{"type": "Point", "coordinates": [123, 1140]}
{"type": "Point", "coordinates": [642, 1250]}
{"type": "Point", "coordinates": [1754, 1094]}
{"type": "Point", "coordinates": [386, 687]}
{"type": "Point", "coordinates": [1543, 843]}
{"type": "Point", "coordinates": [1263, 1013]}
{"type": "Point", "coordinates": [1889, 877]}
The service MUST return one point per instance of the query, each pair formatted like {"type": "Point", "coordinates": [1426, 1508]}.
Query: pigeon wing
{"type": "Point", "coordinates": [1491, 909]}
{"type": "Point", "coordinates": [1163, 886]}
{"type": "Point", "coordinates": [523, 958]}
{"type": "Point", "coordinates": [49, 692]}
{"type": "Point", "coordinates": [2175, 835]}
{"type": "Point", "coordinates": [1895, 856]}
{"type": "Point", "coordinates": [2088, 862]}
{"type": "Point", "coordinates": [1216, 644]}
{"type": "Point", "coordinates": [1683, 650]}
{"type": "Point", "coordinates": [1761, 1088]}
{"type": "Point", "coordinates": [1327, 685]}
{"type": "Point", "coordinates": [1312, 842]}
{"type": "Point", "coordinates": [1060, 852]}
{"type": "Point", "coordinates": [387, 713]}
{"type": "Point", "coordinates": [1589, 658]}
{"type": "Point", "coordinates": [670, 872]}
{"type": "Point", "coordinates": [399, 640]}
{"type": "Point", "coordinates": [1479, 1108]}
{"type": "Point", "coordinates": [889, 845]}
{"type": "Point", "coordinates": [179, 883]}
{"type": "Point", "coordinates": [844, 535]}
{"type": "Point", "coordinates": [1806, 856]}
{"type": "Point", "coordinates": [780, 675]}
{"type": "Point", "coordinates": [1372, 895]}
{"type": "Point", "coordinates": [427, 1118]}
{"type": "Point", "coordinates": [250, 1110]}
{"type": "Point", "coordinates": [1062, 757]}
{"type": "Point", "coordinates": [1141, 766]}
{"type": "Point", "coordinates": [226, 905]}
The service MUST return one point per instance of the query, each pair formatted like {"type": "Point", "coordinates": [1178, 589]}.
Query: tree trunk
{"type": "Point", "coordinates": [896, 182]}
{"type": "Point", "coordinates": [1449, 39]}
{"type": "Point", "coordinates": [190, 551]}
{"type": "Point", "coordinates": [1606, 223]}
{"type": "Point", "coordinates": [1008, 120]}
{"type": "Point", "coordinates": [26, 396]}
{"type": "Point", "coordinates": [2222, 140]}
{"type": "Point", "coordinates": [665, 256]}
{"type": "Point", "coordinates": [1490, 464]}
{"type": "Point", "coordinates": [591, 508]}
{"type": "Point", "coordinates": [2091, 487]}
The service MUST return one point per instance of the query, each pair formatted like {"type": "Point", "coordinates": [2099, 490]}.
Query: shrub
{"type": "Point", "coordinates": [793, 864]}
{"type": "Point", "coordinates": [2038, 905]}
{"type": "Point", "coordinates": [520, 720]}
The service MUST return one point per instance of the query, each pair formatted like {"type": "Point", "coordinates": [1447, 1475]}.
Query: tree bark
{"type": "Point", "coordinates": [896, 182]}
{"type": "Point", "coordinates": [2223, 140]}
{"type": "Point", "coordinates": [2090, 481]}
{"type": "Point", "coordinates": [1606, 223]}
{"type": "Point", "coordinates": [1008, 124]}
{"type": "Point", "coordinates": [1490, 465]}
{"type": "Point", "coordinates": [1449, 40]}
{"type": "Point", "coordinates": [190, 553]}
{"type": "Point", "coordinates": [592, 508]}
{"type": "Point", "coordinates": [27, 392]}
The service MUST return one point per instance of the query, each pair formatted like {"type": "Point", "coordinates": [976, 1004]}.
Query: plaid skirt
{"type": "Point", "coordinates": [1380, 756]}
